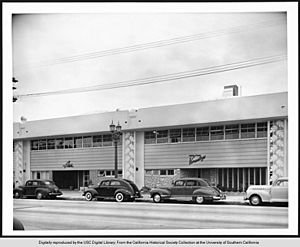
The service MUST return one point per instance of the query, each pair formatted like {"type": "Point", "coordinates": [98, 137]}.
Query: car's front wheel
{"type": "Point", "coordinates": [88, 196]}
{"type": "Point", "coordinates": [39, 195]}
{"type": "Point", "coordinates": [255, 200]}
{"type": "Point", "coordinates": [119, 197]}
{"type": "Point", "coordinates": [199, 199]}
{"type": "Point", "coordinates": [157, 198]}
{"type": "Point", "coordinates": [17, 195]}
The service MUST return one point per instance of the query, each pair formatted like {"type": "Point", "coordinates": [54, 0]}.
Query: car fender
{"type": "Point", "coordinates": [164, 192]}
{"type": "Point", "coordinates": [91, 190]}
{"type": "Point", "coordinates": [204, 192]}
{"type": "Point", "coordinates": [44, 191]}
{"type": "Point", "coordinates": [123, 191]}
{"type": "Point", "coordinates": [19, 189]}
{"type": "Point", "coordinates": [265, 195]}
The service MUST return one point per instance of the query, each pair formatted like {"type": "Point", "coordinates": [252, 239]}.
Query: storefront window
{"type": "Point", "coordinates": [202, 134]}
{"type": "Point", "coordinates": [217, 133]}
{"type": "Point", "coordinates": [232, 131]}
{"type": "Point", "coordinates": [248, 130]}
{"type": "Point", "coordinates": [175, 135]}
{"type": "Point", "coordinates": [188, 135]}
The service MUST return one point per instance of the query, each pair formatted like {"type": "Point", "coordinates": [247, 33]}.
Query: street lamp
{"type": "Point", "coordinates": [116, 133]}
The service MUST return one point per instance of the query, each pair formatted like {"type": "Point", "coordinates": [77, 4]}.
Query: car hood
{"type": "Point", "coordinates": [259, 187]}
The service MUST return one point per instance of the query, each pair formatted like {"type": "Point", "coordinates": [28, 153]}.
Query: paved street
{"type": "Point", "coordinates": [104, 215]}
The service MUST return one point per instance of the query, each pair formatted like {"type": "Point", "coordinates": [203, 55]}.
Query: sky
{"type": "Point", "coordinates": [40, 39]}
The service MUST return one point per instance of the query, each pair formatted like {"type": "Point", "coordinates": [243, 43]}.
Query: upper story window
{"type": "Point", "coordinates": [217, 132]}
{"type": "Point", "coordinates": [97, 141]}
{"type": "Point", "coordinates": [51, 144]}
{"type": "Point", "coordinates": [150, 137]}
{"type": "Point", "coordinates": [87, 141]}
{"type": "Point", "coordinates": [162, 136]}
{"type": "Point", "coordinates": [42, 144]}
{"type": "Point", "coordinates": [202, 134]}
{"type": "Point", "coordinates": [232, 131]}
{"type": "Point", "coordinates": [175, 135]}
{"type": "Point", "coordinates": [69, 142]}
{"type": "Point", "coordinates": [59, 143]}
{"type": "Point", "coordinates": [188, 135]}
{"type": "Point", "coordinates": [107, 140]}
{"type": "Point", "coordinates": [262, 129]}
{"type": "Point", "coordinates": [248, 130]}
{"type": "Point", "coordinates": [78, 143]}
{"type": "Point", "coordinates": [35, 145]}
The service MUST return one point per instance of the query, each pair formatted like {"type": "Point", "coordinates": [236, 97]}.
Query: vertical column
{"type": "Point", "coordinates": [278, 155]}
{"type": "Point", "coordinates": [129, 155]}
{"type": "Point", "coordinates": [19, 163]}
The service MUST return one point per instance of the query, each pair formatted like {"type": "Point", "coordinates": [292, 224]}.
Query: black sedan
{"type": "Point", "coordinates": [39, 188]}
{"type": "Point", "coordinates": [113, 188]}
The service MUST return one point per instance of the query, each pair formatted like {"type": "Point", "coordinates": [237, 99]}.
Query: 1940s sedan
{"type": "Point", "coordinates": [39, 188]}
{"type": "Point", "coordinates": [197, 189]}
{"type": "Point", "coordinates": [117, 188]}
{"type": "Point", "coordinates": [277, 192]}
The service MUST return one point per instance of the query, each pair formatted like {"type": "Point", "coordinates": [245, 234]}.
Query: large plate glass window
{"type": "Point", "coordinates": [217, 133]}
{"type": "Point", "coordinates": [202, 134]}
{"type": "Point", "coordinates": [175, 135]}
{"type": "Point", "coordinates": [150, 137]}
{"type": "Point", "coordinates": [248, 130]}
{"type": "Point", "coordinates": [232, 131]}
{"type": "Point", "coordinates": [188, 135]}
{"type": "Point", "coordinates": [162, 136]}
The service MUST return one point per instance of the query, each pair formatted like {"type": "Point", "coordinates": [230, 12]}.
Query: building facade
{"type": "Point", "coordinates": [232, 142]}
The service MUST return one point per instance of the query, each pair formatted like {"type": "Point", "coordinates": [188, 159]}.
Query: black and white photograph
{"type": "Point", "coordinates": [163, 119]}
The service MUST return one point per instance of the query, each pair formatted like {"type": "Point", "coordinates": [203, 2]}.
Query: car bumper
{"type": "Point", "coordinates": [55, 193]}
{"type": "Point", "coordinates": [220, 197]}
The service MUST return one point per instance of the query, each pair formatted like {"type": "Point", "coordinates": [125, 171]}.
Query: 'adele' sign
{"type": "Point", "coordinates": [68, 164]}
{"type": "Point", "coordinates": [193, 158]}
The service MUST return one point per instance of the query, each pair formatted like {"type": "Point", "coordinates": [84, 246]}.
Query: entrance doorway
{"type": "Point", "coordinates": [70, 179]}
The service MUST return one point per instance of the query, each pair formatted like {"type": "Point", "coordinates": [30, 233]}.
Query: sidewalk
{"type": "Point", "coordinates": [231, 198]}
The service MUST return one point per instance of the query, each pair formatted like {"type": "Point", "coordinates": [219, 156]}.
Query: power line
{"type": "Point", "coordinates": [167, 77]}
{"type": "Point", "coordinates": [156, 44]}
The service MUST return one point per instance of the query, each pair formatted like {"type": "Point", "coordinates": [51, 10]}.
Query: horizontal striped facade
{"type": "Point", "coordinates": [82, 159]}
{"type": "Point", "coordinates": [229, 153]}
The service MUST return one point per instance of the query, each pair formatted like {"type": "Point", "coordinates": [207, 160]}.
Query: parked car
{"type": "Point", "coordinates": [113, 188]}
{"type": "Point", "coordinates": [39, 188]}
{"type": "Point", "coordinates": [197, 189]}
{"type": "Point", "coordinates": [277, 192]}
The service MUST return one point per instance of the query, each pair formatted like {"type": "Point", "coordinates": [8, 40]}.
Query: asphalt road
{"type": "Point", "coordinates": [110, 215]}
